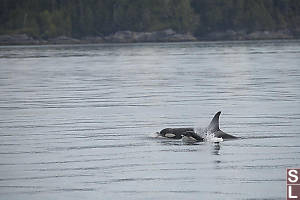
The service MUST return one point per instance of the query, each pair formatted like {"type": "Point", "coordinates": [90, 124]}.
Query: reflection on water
{"type": "Point", "coordinates": [75, 120]}
{"type": "Point", "coordinates": [216, 149]}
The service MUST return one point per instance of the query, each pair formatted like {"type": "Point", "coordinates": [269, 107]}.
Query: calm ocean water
{"type": "Point", "coordinates": [77, 122]}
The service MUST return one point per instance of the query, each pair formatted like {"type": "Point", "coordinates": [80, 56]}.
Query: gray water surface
{"type": "Point", "coordinates": [77, 122]}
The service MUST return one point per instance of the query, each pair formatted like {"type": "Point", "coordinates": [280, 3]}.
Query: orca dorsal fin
{"type": "Point", "coordinates": [214, 124]}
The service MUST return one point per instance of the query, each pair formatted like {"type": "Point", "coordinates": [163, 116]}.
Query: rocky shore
{"type": "Point", "coordinates": [168, 35]}
{"type": "Point", "coordinates": [159, 36]}
{"type": "Point", "coordinates": [119, 37]}
{"type": "Point", "coordinates": [256, 35]}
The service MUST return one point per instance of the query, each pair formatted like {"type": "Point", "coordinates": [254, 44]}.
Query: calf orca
{"type": "Point", "coordinates": [197, 135]}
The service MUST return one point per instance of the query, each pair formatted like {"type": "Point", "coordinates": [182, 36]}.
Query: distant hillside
{"type": "Point", "coordinates": [79, 18]}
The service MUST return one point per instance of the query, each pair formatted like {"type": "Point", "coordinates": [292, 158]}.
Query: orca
{"type": "Point", "coordinates": [190, 134]}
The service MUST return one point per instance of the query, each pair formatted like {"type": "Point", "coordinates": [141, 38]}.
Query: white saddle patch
{"type": "Point", "coordinates": [170, 135]}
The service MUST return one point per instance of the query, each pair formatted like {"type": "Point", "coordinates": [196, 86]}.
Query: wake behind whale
{"type": "Point", "coordinates": [211, 133]}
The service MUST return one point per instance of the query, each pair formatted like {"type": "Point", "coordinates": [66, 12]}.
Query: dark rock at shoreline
{"type": "Point", "coordinates": [168, 35]}
{"type": "Point", "coordinates": [64, 40]}
{"type": "Point", "coordinates": [243, 35]}
{"type": "Point", "coordinates": [259, 35]}
{"type": "Point", "coordinates": [92, 39]}
{"type": "Point", "coordinates": [20, 39]}
{"type": "Point", "coordinates": [119, 37]}
{"type": "Point", "coordinates": [158, 36]}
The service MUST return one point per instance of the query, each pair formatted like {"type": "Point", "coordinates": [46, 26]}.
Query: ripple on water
{"type": "Point", "coordinates": [75, 120]}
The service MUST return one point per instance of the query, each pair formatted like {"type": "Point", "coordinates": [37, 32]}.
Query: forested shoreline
{"type": "Point", "coordinates": [202, 19]}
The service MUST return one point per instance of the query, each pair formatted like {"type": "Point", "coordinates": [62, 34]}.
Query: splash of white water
{"type": "Point", "coordinates": [207, 135]}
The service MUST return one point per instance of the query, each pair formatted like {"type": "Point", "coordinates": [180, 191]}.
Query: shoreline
{"type": "Point", "coordinates": [150, 37]}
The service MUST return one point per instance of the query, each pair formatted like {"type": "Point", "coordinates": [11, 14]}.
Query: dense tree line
{"type": "Point", "coordinates": [78, 18]}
